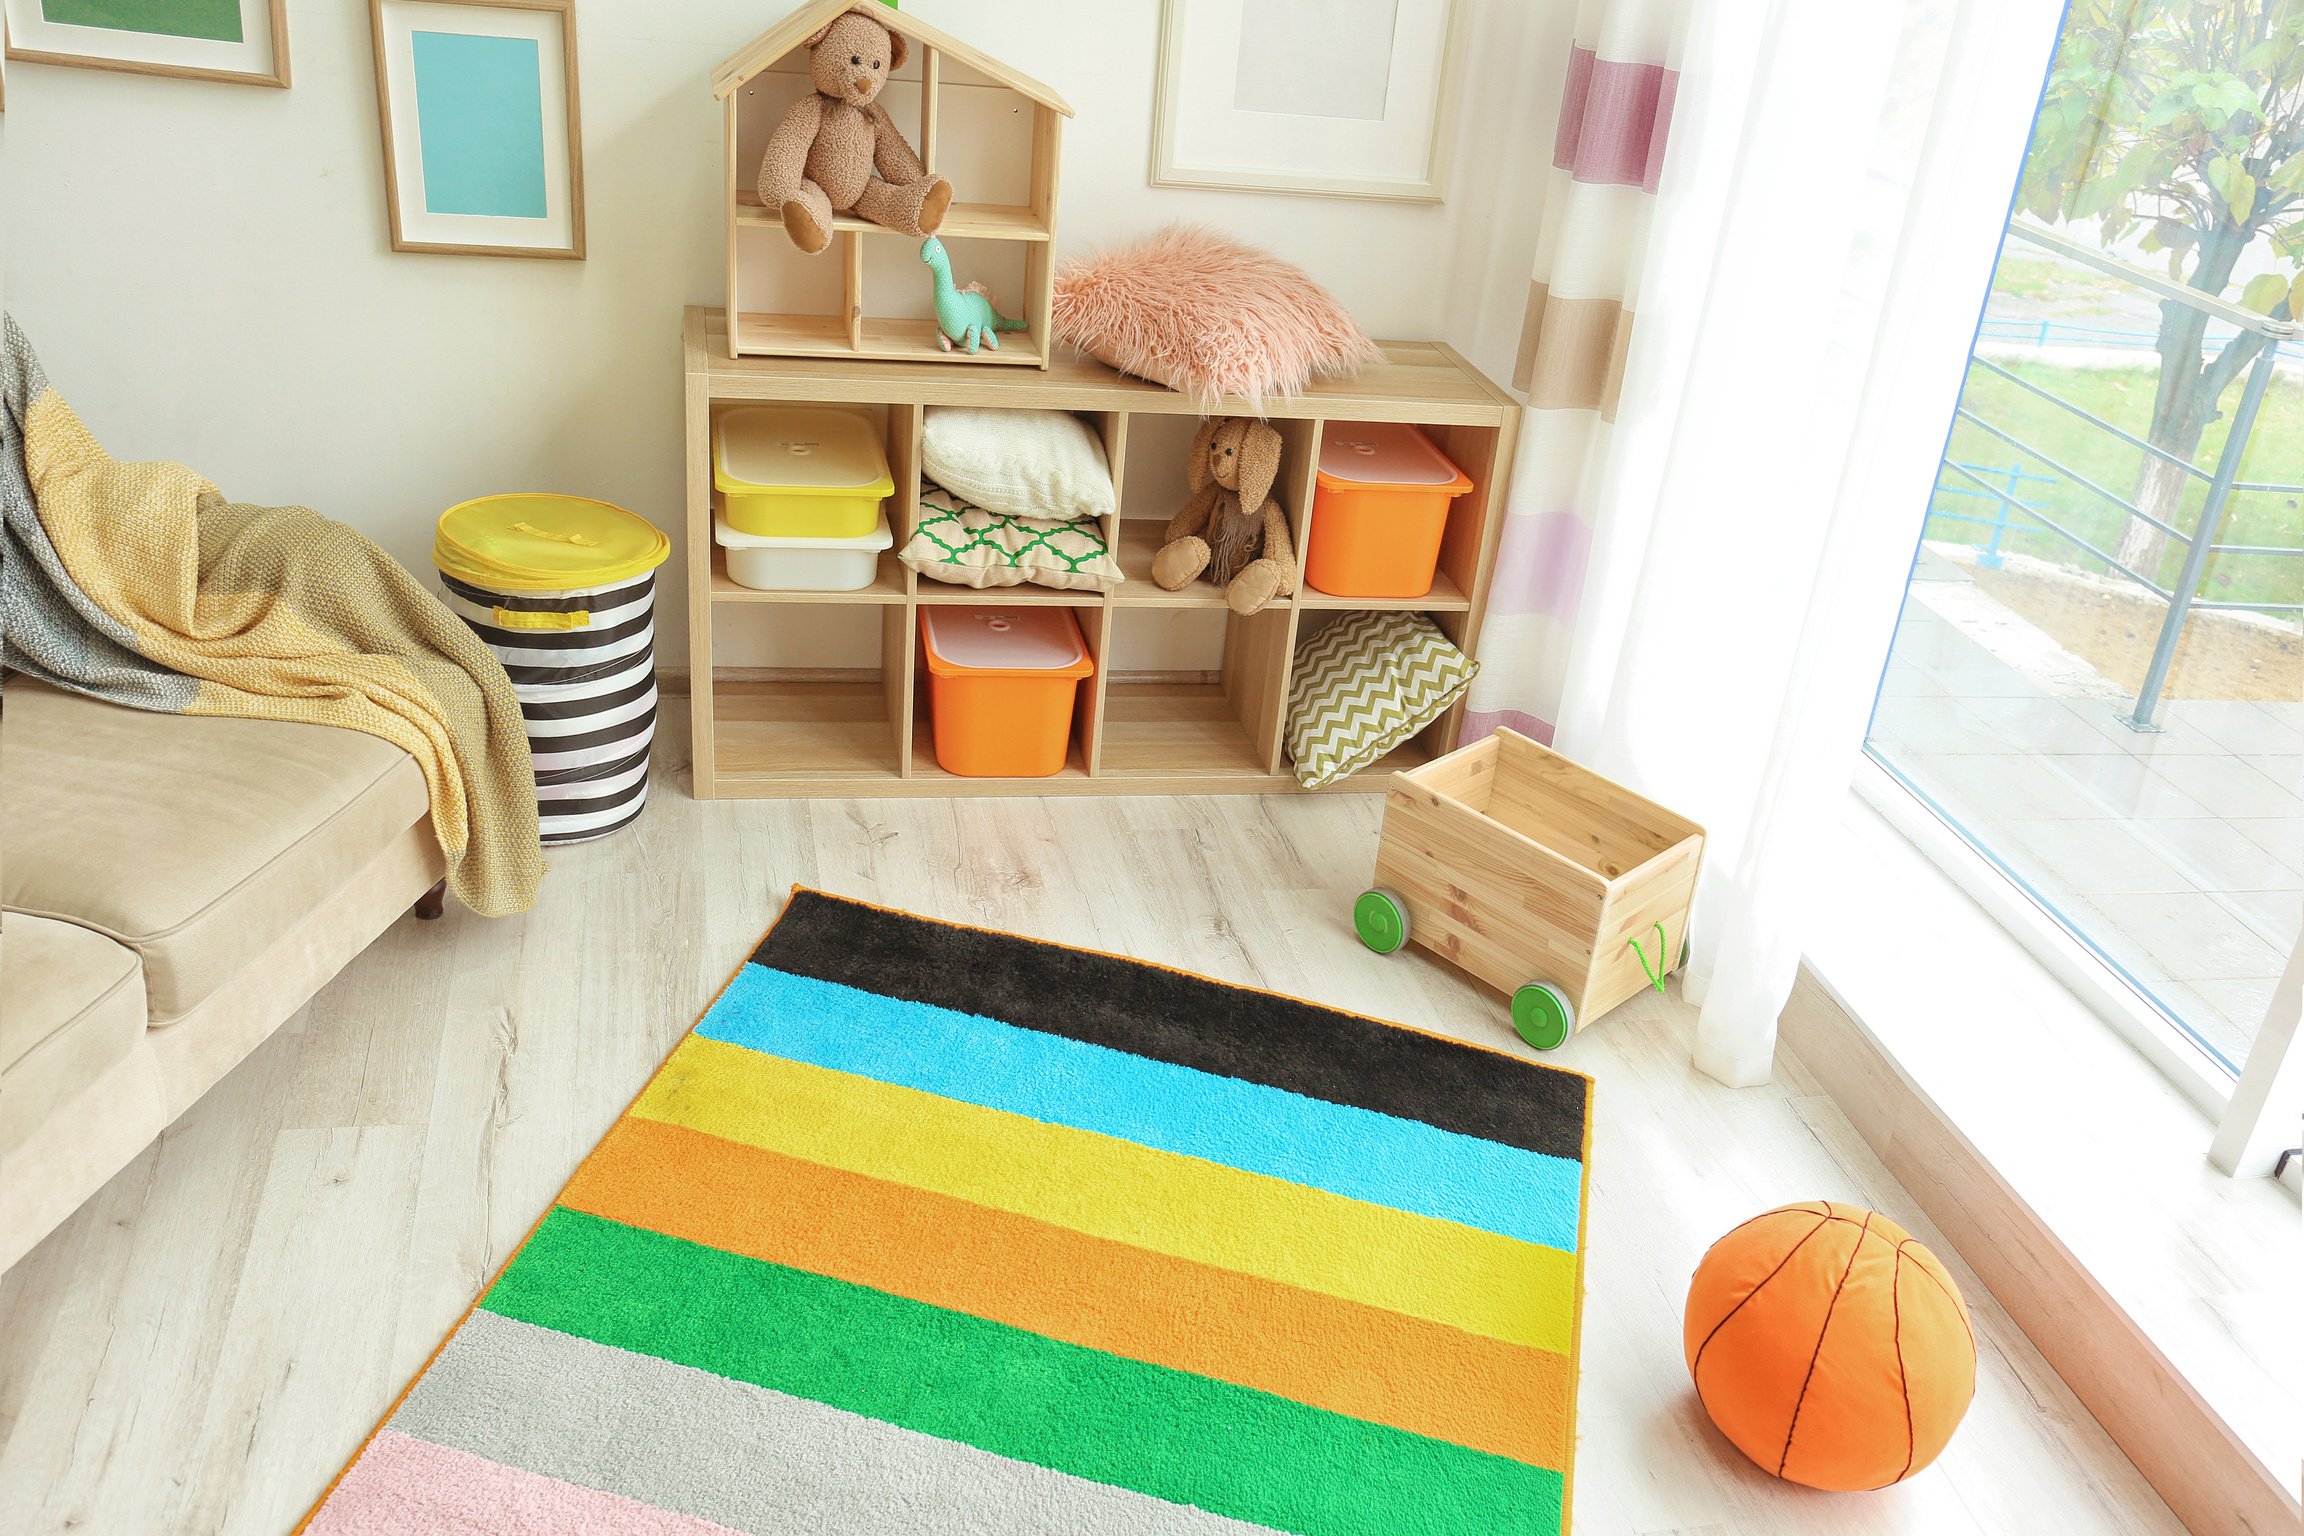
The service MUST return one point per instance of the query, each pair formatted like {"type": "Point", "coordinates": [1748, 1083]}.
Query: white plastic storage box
{"type": "Point", "coordinates": [799, 471]}
{"type": "Point", "coordinates": [788, 563]}
{"type": "Point", "coordinates": [563, 591]}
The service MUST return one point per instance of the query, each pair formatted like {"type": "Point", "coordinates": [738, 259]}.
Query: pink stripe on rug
{"type": "Point", "coordinates": [402, 1486]}
{"type": "Point", "coordinates": [1614, 121]}
{"type": "Point", "coordinates": [1480, 724]}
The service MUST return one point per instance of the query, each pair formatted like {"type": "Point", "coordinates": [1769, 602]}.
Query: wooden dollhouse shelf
{"type": "Point", "coordinates": [962, 221]}
{"type": "Point", "coordinates": [893, 340]}
{"type": "Point", "coordinates": [776, 291]}
{"type": "Point", "coordinates": [1219, 733]}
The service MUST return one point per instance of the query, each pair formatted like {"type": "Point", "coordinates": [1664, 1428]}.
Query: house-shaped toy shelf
{"type": "Point", "coordinates": [995, 134]}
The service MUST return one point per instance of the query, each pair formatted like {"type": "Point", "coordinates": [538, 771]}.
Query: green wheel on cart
{"type": "Point", "coordinates": [1543, 1015]}
{"type": "Point", "coordinates": [1380, 917]}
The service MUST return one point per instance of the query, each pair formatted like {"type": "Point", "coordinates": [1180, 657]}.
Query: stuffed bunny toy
{"type": "Point", "coordinates": [837, 151]}
{"type": "Point", "coordinates": [1231, 528]}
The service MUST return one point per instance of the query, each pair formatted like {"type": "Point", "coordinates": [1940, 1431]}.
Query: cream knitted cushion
{"type": "Point", "coordinates": [1023, 463]}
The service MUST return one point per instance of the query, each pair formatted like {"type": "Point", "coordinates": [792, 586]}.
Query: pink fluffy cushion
{"type": "Point", "coordinates": [1202, 313]}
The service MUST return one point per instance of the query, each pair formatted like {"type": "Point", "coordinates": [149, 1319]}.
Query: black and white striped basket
{"type": "Point", "coordinates": [587, 688]}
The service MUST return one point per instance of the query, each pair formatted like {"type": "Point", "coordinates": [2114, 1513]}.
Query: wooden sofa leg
{"type": "Point", "coordinates": [432, 903]}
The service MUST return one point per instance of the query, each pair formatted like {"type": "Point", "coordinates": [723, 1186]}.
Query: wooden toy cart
{"type": "Point", "coordinates": [1536, 875]}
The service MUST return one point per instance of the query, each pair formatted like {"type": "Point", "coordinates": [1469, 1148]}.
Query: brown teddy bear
{"type": "Point", "coordinates": [1231, 528]}
{"type": "Point", "coordinates": [837, 151]}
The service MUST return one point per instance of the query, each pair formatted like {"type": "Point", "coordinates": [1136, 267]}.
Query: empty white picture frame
{"type": "Point", "coordinates": [243, 42]}
{"type": "Point", "coordinates": [1333, 98]}
{"type": "Point", "coordinates": [483, 145]}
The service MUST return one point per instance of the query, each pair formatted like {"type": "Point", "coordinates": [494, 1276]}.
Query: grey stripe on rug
{"type": "Point", "coordinates": [746, 1457]}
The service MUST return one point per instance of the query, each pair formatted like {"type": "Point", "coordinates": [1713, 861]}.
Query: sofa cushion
{"type": "Point", "coordinates": [71, 1007]}
{"type": "Point", "coordinates": [194, 840]}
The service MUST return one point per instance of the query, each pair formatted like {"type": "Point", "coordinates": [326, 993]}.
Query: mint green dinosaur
{"type": "Point", "coordinates": [963, 315]}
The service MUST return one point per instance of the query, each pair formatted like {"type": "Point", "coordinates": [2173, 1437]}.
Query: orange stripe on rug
{"type": "Point", "coordinates": [1343, 1356]}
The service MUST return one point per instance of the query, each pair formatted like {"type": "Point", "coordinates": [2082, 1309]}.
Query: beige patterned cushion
{"type": "Point", "coordinates": [962, 543]}
{"type": "Point", "coordinates": [1364, 685]}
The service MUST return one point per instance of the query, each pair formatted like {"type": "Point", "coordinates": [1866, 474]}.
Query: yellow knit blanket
{"type": "Point", "coordinates": [278, 613]}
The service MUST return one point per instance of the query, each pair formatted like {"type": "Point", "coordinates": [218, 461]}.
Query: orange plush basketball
{"type": "Point", "coordinates": [1830, 1346]}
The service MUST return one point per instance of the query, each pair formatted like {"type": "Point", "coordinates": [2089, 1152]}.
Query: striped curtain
{"type": "Point", "coordinates": [1607, 155]}
{"type": "Point", "coordinates": [1715, 507]}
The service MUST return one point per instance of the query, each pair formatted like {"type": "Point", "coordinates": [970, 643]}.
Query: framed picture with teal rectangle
{"type": "Point", "coordinates": [483, 152]}
{"type": "Point", "coordinates": [244, 42]}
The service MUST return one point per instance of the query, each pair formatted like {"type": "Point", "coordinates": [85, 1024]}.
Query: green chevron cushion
{"type": "Point", "coordinates": [963, 543]}
{"type": "Point", "coordinates": [1364, 685]}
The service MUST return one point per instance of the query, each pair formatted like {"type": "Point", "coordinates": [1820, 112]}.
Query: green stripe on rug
{"type": "Point", "coordinates": [1175, 1436]}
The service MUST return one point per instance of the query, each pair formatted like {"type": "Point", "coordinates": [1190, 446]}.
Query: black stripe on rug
{"type": "Point", "coordinates": [1281, 1042]}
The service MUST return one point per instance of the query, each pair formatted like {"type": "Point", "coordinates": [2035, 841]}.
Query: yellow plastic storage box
{"type": "Point", "coordinates": [800, 471]}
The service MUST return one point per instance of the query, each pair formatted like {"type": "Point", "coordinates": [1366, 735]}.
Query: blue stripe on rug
{"type": "Point", "coordinates": [1358, 1153]}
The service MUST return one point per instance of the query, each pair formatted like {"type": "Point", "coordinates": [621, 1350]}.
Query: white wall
{"type": "Point", "coordinates": [207, 271]}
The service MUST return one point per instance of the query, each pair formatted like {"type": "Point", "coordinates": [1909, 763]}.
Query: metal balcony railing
{"type": "Point", "coordinates": [2223, 481]}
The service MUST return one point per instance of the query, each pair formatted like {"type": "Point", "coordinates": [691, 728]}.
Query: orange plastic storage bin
{"type": "Point", "coordinates": [1380, 511]}
{"type": "Point", "coordinates": [1001, 685]}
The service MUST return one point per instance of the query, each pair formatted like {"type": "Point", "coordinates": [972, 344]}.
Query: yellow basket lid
{"type": "Point", "coordinates": [541, 543]}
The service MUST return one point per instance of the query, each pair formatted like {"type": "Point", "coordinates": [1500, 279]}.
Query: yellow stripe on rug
{"type": "Point", "coordinates": [1484, 1283]}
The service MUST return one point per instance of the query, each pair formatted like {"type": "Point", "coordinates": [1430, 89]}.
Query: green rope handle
{"type": "Point", "coordinates": [1657, 972]}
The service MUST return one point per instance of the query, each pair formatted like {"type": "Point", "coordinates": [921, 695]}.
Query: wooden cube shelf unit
{"type": "Point", "coordinates": [795, 732]}
{"type": "Point", "coordinates": [940, 64]}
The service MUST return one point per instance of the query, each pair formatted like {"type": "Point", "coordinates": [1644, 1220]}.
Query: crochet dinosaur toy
{"type": "Point", "coordinates": [963, 315]}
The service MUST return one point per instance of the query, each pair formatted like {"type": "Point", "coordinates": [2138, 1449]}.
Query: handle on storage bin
{"type": "Point", "coordinates": [576, 539]}
{"type": "Point", "coordinates": [573, 618]}
{"type": "Point", "coordinates": [1663, 966]}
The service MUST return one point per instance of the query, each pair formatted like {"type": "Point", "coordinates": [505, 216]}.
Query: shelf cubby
{"type": "Point", "coordinates": [770, 731]}
{"type": "Point", "coordinates": [1175, 730]}
{"type": "Point", "coordinates": [1187, 697]}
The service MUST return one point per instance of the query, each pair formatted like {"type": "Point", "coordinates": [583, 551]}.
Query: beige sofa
{"type": "Point", "coordinates": [172, 889]}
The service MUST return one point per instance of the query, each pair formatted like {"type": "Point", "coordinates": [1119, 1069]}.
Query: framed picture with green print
{"type": "Point", "coordinates": [239, 42]}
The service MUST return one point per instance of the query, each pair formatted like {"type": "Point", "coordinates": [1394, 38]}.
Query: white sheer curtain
{"type": "Point", "coordinates": [1824, 237]}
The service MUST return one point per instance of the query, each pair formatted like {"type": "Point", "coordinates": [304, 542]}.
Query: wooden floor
{"type": "Point", "coordinates": [203, 1345]}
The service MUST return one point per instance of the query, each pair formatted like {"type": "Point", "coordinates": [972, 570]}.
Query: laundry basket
{"type": "Point", "coordinates": [563, 590]}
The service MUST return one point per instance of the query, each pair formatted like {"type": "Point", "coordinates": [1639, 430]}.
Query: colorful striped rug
{"type": "Point", "coordinates": [927, 1229]}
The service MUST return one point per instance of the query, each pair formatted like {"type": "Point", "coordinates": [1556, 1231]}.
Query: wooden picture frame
{"type": "Point", "coordinates": [1353, 110]}
{"type": "Point", "coordinates": [46, 32]}
{"type": "Point", "coordinates": [461, 184]}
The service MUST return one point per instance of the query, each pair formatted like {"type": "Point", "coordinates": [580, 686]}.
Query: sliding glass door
{"type": "Point", "coordinates": [2098, 678]}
